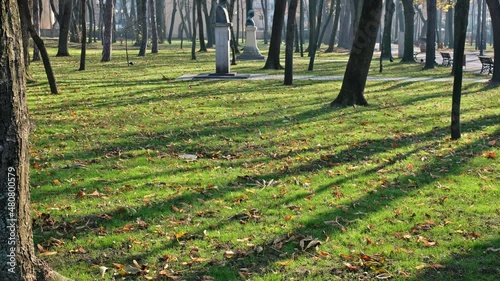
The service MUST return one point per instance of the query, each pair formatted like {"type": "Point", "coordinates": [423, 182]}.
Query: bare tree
{"type": "Point", "coordinates": [273, 57]}
{"type": "Point", "coordinates": [154, 27]}
{"type": "Point", "coordinates": [430, 54]}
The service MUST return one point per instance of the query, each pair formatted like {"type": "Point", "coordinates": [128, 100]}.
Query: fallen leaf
{"type": "Point", "coordinates": [287, 218]}
{"type": "Point", "coordinates": [228, 254]}
{"type": "Point", "coordinates": [56, 182]}
{"type": "Point", "coordinates": [490, 155]}
{"type": "Point", "coordinates": [436, 266]}
{"type": "Point", "coordinates": [102, 270]}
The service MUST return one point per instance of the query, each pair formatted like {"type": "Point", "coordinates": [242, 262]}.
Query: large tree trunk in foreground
{"type": "Point", "coordinates": [17, 254]}
{"type": "Point", "coordinates": [494, 7]}
{"type": "Point", "coordinates": [461, 21]}
{"type": "Point", "coordinates": [356, 73]}
{"type": "Point", "coordinates": [273, 57]}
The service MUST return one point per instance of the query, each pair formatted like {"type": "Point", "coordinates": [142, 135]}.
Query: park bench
{"type": "Point", "coordinates": [447, 59]}
{"type": "Point", "coordinates": [486, 64]}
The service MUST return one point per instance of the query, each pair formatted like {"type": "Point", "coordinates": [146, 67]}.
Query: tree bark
{"type": "Point", "coordinates": [331, 43]}
{"type": "Point", "coordinates": [494, 7]}
{"type": "Point", "coordinates": [203, 47]}
{"type": "Point", "coordinates": [142, 11]}
{"type": "Point", "coordinates": [353, 85]}
{"type": "Point", "coordinates": [17, 254]}
{"type": "Point", "coordinates": [108, 20]}
{"type": "Point", "coordinates": [193, 38]}
{"type": "Point", "coordinates": [36, 26]}
{"type": "Point", "coordinates": [390, 7]}
{"type": "Point", "coordinates": [409, 14]}
{"type": "Point", "coordinates": [461, 21]}
{"type": "Point", "coordinates": [65, 9]}
{"type": "Point", "coordinates": [290, 31]}
{"type": "Point", "coordinates": [172, 21]}
{"type": "Point", "coordinates": [84, 35]}
{"type": "Point", "coordinates": [273, 58]}
{"type": "Point", "coordinates": [430, 54]}
{"type": "Point", "coordinates": [154, 27]}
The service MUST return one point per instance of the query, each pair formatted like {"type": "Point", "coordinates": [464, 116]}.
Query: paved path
{"type": "Point", "coordinates": [472, 65]}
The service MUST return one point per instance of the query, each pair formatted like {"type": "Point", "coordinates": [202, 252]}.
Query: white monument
{"type": "Point", "coordinates": [251, 51]}
{"type": "Point", "coordinates": [222, 39]}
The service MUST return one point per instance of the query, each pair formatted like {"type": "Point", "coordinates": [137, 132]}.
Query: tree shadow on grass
{"type": "Point", "coordinates": [262, 257]}
{"type": "Point", "coordinates": [480, 262]}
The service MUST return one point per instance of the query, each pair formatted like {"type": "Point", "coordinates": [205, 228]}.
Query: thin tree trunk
{"type": "Point", "coordinates": [203, 47]}
{"type": "Point", "coordinates": [430, 55]}
{"type": "Point", "coordinates": [390, 7]}
{"type": "Point", "coordinates": [36, 26]}
{"type": "Point", "coordinates": [142, 9]}
{"type": "Point", "coordinates": [108, 20]}
{"type": "Point", "coordinates": [41, 46]}
{"type": "Point", "coordinates": [461, 20]}
{"type": "Point", "coordinates": [494, 7]}
{"type": "Point", "coordinates": [193, 38]}
{"type": "Point", "coordinates": [84, 36]}
{"type": "Point", "coordinates": [331, 43]}
{"type": "Point", "coordinates": [172, 21]}
{"type": "Point", "coordinates": [154, 27]}
{"type": "Point", "coordinates": [290, 30]}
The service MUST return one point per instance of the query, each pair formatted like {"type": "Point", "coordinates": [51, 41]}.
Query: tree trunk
{"type": "Point", "coordinates": [17, 254]}
{"type": "Point", "coordinates": [494, 7]}
{"type": "Point", "coordinates": [108, 21]}
{"type": "Point", "coordinates": [449, 28]}
{"type": "Point", "coordinates": [65, 9]}
{"type": "Point", "coordinates": [208, 23]}
{"type": "Point", "coordinates": [461, 20]}
{"type": "Point", "coordinates": [331, 43]}
{"type": "Point", "coordinates": [90, 7]}
{"type": "Point", "coordinates": [430, 55]}
{"type": "Point", "coordinates": [203, 47]}
{"type": "Point", "coordinates": [142, 14]}
{"type": "Point", "coordinates": [193, 38]}
{"type": "Point", "coordinates": [84, 35]}
{"type": "Point", "coordinates": [409, 14]}
{"type": "Point", "coordinates": [353, 85]}
{"type": "Point", "coordinates": [301, 28]}
{"type": "Point", "coordinates": [172, 21]}
{"type": "Point", "coordinates": [265, 12]}
{"type": "Point", "coordinates": [390, 7]}
{"type": "Point", "coordinates": [154, 27]}
{"type": "Point", "coordinates": [41, 46]}
{"type": "Point", "coordinates": [290, 30]}
{"type": "Point", "coordinates": [36, 26]}
{"type": "Point", "coordinates": [273, 57]}
{"type": "Point", "coordinates": [160, 20]}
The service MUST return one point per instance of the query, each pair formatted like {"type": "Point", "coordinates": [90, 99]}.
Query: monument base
{"type": "Point", "coordinates": [222, 76]}
{"type": "Point", "coordinates": [251, 52]}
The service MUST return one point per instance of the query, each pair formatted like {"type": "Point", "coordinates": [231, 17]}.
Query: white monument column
{"type": "Point", "coordinates": [222, 55]}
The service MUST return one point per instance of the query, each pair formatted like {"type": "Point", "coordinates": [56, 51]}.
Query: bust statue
{"type": "Point", "coordinates": [250, 15]}
{"type": "Point", "coordinates": [221, 15]}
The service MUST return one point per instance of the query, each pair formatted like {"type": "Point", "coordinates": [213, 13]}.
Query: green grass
{"type": "Point", "coordinates": [381, 188]}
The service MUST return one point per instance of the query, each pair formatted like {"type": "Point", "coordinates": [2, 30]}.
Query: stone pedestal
{"type": "Point", "coordinates": [251, 52]}
{"type": "Point", "coordinates": [401, 44]}
{"type": "Point", "coordinates": [222, 54]}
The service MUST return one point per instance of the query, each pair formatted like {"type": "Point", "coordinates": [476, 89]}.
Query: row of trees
{"type": "Point", "coordinates": [17, 255]}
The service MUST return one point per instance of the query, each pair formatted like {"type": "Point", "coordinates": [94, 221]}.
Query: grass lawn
{"type": "Point", "coordinates": [153, 178]}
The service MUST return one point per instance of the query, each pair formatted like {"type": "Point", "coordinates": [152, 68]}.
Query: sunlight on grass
{"type": "Point", "coordinates": [283, 187]}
